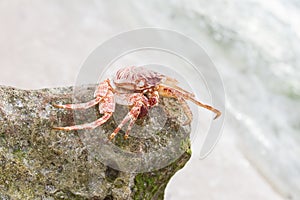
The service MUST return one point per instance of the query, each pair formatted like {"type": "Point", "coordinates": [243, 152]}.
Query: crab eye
{"type": "Point", "coordinates": [141, 83]}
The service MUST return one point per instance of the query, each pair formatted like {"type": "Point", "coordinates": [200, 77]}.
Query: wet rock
{"type": "Point", "coordinates": [37, 162]}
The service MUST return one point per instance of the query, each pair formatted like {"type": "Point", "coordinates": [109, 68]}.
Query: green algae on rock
{"type": "Point", "coordinates": [38, 162]}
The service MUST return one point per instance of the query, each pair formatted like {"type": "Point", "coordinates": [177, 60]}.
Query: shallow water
{"type": "Point", "coordinates": [254, 44]}
{"type": "Point", "coordinates": [263, 87]}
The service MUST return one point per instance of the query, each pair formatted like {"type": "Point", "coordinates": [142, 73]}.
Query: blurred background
{"type": "Point", "coordinates": [254, 44]}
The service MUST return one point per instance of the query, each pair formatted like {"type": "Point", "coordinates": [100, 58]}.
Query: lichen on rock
{"type": "Point", "coordinates": [37, 162]}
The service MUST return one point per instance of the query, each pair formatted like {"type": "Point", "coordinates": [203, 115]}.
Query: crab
{"type": "Point", "coordinates": [139, 88]}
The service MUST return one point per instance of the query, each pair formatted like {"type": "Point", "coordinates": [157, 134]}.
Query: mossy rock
{"type": "Point", "coordinates": [37, 162]}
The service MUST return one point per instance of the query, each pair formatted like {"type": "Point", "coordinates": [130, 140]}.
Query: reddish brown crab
{"type": "Point", "coordinates": [139, 88]}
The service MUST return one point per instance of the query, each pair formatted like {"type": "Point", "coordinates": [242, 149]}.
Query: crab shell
{"type": "Point", "coordinates": [137, 78]}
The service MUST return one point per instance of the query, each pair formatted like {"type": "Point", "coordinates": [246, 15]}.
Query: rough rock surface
{"type": "Point", "coordinates": [37, 162]}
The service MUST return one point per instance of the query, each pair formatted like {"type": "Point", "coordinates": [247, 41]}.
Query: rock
{"type": "Point", "coordinates": [37, 162]}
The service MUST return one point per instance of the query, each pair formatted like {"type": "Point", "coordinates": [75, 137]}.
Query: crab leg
{"type": "Point", "coordinates": [132, 115]}
{"type": "Point", "coordinates": [132, 121]}
{"type": "Point", "coordinates": [91, 125]}
{"type": "Point", "coordinates": [101, 92]}
{"type": "Point", "coordinates": [171, 82]}
{"type": "Point", "coordinates": [171, 92]}
{"type": "Point", "coordinates": [79, 106]}
{"type": "Point", "coordinates": [186, 110]}
{"type": "Point", "coordinates": [105, 99]}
